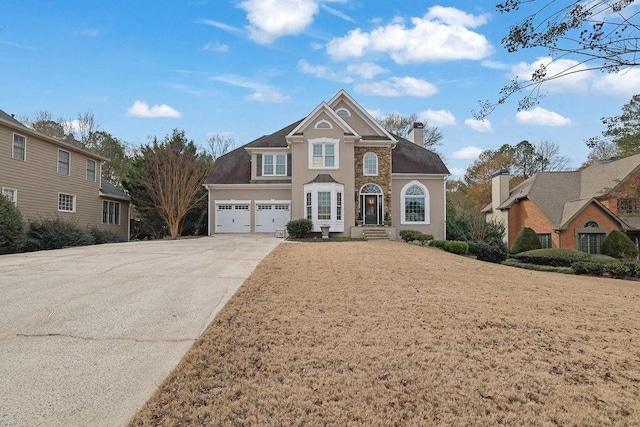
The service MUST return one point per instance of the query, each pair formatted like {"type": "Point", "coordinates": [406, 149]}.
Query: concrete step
{"type": "Point", "coordinates": [371, 233]}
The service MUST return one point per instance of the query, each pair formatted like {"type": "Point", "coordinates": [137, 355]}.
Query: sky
{"type": "Point", "coordinates": [245, 68]}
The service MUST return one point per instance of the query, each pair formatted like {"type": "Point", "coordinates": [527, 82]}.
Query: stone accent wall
{"type": "Point", "coordinates": [383, 179]}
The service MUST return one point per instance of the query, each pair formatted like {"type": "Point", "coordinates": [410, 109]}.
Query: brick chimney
{"type": "Point", "coordinates": [416, 135]}
{"type": "Point", "coordinates": [499, 187]}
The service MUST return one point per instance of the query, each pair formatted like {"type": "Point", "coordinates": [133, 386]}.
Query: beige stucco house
{"type": "Point", "coordinates": [337, 167]}
{"type": "Point", "coordinates": [48, 178]}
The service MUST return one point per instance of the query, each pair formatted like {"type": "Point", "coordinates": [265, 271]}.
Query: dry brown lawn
{"type": "Point", "coordinates": [388, 333]}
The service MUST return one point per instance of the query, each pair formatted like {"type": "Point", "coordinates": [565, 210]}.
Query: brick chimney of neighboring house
{"type": "Point", "coordinates": [416, 135]}
{"type": "Point", "coordinates": [499, 187]}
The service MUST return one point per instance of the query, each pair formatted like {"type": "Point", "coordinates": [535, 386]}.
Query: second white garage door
{"type": "Point", "coordinates": [271, 216]}
{"type": "Point", "coordinates": [233, 217]}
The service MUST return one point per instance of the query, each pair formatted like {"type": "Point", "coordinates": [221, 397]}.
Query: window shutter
{"type": "Point", "coordinates": [288, 164]}
{"type": "Point", "coordinates": [259, 165]}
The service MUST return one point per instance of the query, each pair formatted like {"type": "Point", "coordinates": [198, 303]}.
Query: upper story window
{"type": "Point", "coordinates": [415, 204]}
{"type": "Point", "coordinates": [64, 159]}
{"type": "Point", "coordinates": [370, 164]}
{"type": "Point", "coordinates": [19, 148]}
{"type": "Point", "coordinates": [91, 170]}
{"type": "Point", "coordinates": [323, 153]}
{"type": "Point", "coordinates": [343, 112]}
{"type": "Point", "coordinates": [628, 206]}
{"type": "Point", "coordinates": [274, 164]}
{"type": "Point", "coordinates": [323, 124]}
{"type": "Point", "coordinates": [66, 202]}
{"type": "Point", "coordinates": [591, 224]}
{"type": "Point", "coordinates": [11, 194]}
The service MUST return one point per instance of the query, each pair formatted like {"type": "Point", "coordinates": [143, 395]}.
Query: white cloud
{"type": "Point", "coordinates": [442, 34]}
{"type": "Point", "coordinates": [467, 153]}
{"type": "Point", "coordinates": [263, 92]}
{"type": "Point", "coordinates": [142, 109]}
{"type": "Point", "coordinates": [575, 82]}
{"type": "Point", "coordinates": [495, 65]}
{"type": "Point", "coordinates": [271, 97]}
{"type": "Point", "coordinates": [438, 117]}
{"type": "Point", "coordinates": [272, 19]}
{"type": "Point", "coordinates": [220, 25]}
{"type": "Point", "coordinates": [339, 14]}
{"type": "Point", "coordinates": [540, 116]}
{"type": "Point", "coordinates": [457, 172]}
{"type": "Point", "coordinates": [365, 70]}
{"type": "Point", "coordinates": [86, 32]}
{"type": "Point", "coordinates": [216, 47]}
{"type": "Point", "coordinates": [322, 72]}
{"type": "Point", "coordinates": [398, 86]}
{"type": "Point", "coordinates": [625, 83]}
{"type": "Point", "coordinates": [483, 126]}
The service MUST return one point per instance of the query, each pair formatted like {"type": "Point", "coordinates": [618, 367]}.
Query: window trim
{"type": "Point", "coordinates": [95, 167]}
{"type": "Point", "coordinates": [73, 202]}
{"type": "Point", "coordinates": [274, 164]}
{"type": "Point", "coordinates": [427, 205]}
{"type": "Point", "coordinates": [364, 163]}
{"type": "Point", "coordinates": [323, 125]}
{"type": "Point", "coordinates": [113, 219]}
{"type": "Point", "coordinates": [14, 191]}
{"type": "Point", "coordinates": [60, 150]}
{"type": "Point", "coordinates": [336, 221]}
{"type": "Point", "coordinates": [324, 142]}
{"type": "Point", "coordinates": [24, 147]}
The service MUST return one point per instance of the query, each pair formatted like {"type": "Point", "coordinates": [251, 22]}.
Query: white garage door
{"type": "Point", "coordinates": [271, 216]}
{"type": "Point", "coordinates": [233, 217]}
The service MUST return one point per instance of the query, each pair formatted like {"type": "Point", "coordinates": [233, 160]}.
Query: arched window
{"type": "Point", "coordinates": [415, 203]}
{"type": "Point", "coordinates": [370, 164]}
{"type": "Point", "coordinates": [591, 224]}
{"type": "Point", "coordinates": [343, 112]}
{"type": "Point", "coordinates": [323, 124]}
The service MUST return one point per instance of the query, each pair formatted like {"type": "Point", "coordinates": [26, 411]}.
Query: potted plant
{"type": "Point", "coordinates": [359, 218]}
{"type": "Point", "coordinates": [387, 219]}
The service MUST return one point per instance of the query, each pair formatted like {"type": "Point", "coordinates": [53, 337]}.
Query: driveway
{"type": "Point", "coordinates": [87, 334]}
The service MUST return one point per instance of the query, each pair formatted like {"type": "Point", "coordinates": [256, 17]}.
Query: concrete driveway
{"type": "Point", "coordinates": [87, 334]}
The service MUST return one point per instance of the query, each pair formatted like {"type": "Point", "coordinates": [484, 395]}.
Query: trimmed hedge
{"type": "Point", "coordinates": [494, 250]}
{"type": "Point", "coordinates": [456, 247]}
{"type": "Point", "coordinates": [299, 228]}
{"type": "Point", "coordinates": [414, 235]}
{"type": "Point", "coordinates": [11, 227]}
{"type": "Point", "coordinates": [438, 243]}
{"type": "Point", "coordinates": [619, 245]}
{"type": "Point", "coordinates": [101, 236]}
{"type": "Point", "coordinates": [526, 240]}
{"type": "Point", "coordinates": [554, 257]}
{"type": "Point", "coordinates": [57, 234]}
{"type": "Point", "coordinates": [618, 269]}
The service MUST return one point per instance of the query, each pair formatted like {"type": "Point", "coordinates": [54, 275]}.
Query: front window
{"type": "Point", "coordinates": [545, 240]}
{"type": "Point", "coordinates": [370, 163]}
{"type": "Point", "coordinates": [628, 206]}
{"type": "Point", "coordinates": [91, 170]}
{"type": "Point", "coordinates": [11, 194]}
{"type": "Point", "coordinates": [309, 206]}
{"type": "Point", "coordinates": [323, 153]}
{"type": "Point", "coordinates": [66, 202]}
{"type": "Point", "coordinates": [63, 162]}
{"type": "Point", "coordinates": [110, 212]}
{"type": "Point", "coordinates": [19, 147]}
{"type": "Point", "coordinates": [415, 204]}
{"type": "Point", "coordinates": [590, 242]}
{"type": "Point", "coordinates": [274, 164]}
{"type": "Point", "coordinates": [324, 205]}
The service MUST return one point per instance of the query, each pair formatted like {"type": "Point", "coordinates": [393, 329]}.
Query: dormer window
{"type": "Point", "coordinates": [323, 124]}
{"type": "Point", "coordinates": [274, 164]}
{"type": "Point", "coordinates": [343, 112]}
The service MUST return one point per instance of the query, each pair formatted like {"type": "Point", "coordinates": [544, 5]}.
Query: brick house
{"type": "Point", "coordinates": [576, 209]}
{"type": "Point", "coordinates": [48, 178]}
{"type": "Point", "coordinates": [337, 167]}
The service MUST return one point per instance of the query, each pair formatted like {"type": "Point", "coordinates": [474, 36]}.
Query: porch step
{"type": "Point", "coordinates": [375, 233]}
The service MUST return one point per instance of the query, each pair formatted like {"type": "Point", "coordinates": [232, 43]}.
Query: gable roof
{"type": "Point", "coordinates": [110, 190]}
{"type": "Point", "coordinates": [323, 108]}
{"type": "Point", "coordinates": [602, 177]}
{"type": "Point", "coordinates": [408, 157]}
{"type": "Point", "coordinates": [9, 118]}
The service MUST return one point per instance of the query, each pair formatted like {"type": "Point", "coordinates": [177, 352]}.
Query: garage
{"type": "Point", "coordinates": [272, 215]}
{"type": "Point", "coordinates": [233, 216]}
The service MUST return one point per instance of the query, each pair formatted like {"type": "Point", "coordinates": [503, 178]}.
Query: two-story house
{"type": "Point", "coordinates": [575, 209]}
{"type": "Point", "coordinates": [337, 167]}
{"type": "Point", "coordinates": [48, 178]}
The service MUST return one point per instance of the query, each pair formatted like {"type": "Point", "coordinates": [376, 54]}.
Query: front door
{"type": "Point", "coordinates": [371, 209]}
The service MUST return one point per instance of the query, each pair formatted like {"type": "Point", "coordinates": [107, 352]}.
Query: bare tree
{"type": "Point", "coordinates": [600, 150]}
{"type": "Point", "coordinates": [220, 144]}
{"type": "Point", "coordinates": [594, 34]}
{"type": "Point", "coordinates": [402, 125]}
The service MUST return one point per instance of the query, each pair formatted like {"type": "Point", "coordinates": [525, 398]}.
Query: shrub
{"type": "Point", "coordinates": [11, 227]}
{"type": "Point", "coordinates": [619, 245]}
{"type": "Point", "coordinates": [423, 238]}
{"type": "Point", "coordinates": [299, 228]}
{"type": "Point", "coordinates": [555, 257]}
{"type": "Point", "coordinates": [588, 267]}
{"type": "Point", "coordinates": [102, 236]}
{"type": "Point", "coordinates": [409, 235]}
{"type": "Point", "coordinates": [617, 269]}
{"type": "Point", "coordinates": [456, 247]}
{"type": "Point", "coordinates": [495, 250]}
{"type": "Point", "coordinates": [438, 243]}
{"type": "Point", "coordinates": [56, 234]}
{"type": "Point", "coordinates": [526, 240]}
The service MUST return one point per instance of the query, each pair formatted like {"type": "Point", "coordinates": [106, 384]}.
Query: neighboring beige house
{"type": "Point", "coordinates": [576, 209]}
{"type": "Point", "coordinates": [337, 167]}
{"type": "Point", "coordinates": [48, 178]}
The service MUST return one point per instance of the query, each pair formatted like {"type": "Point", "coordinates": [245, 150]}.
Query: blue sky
{"type": "Point", "coordinates": [250, 67]}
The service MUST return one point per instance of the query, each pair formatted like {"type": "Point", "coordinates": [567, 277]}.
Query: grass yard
{"type": "Point", "coordinates": [385, 333]}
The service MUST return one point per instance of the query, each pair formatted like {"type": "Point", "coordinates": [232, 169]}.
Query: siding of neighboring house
{"type": "Point", "coordinates": [38, 183]}
{"type": "Point", "coordinates": [525, 213]}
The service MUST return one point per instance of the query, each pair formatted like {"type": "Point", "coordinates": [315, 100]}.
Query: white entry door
{"type": "Point", "coordinates": [233, 217]}
{"type": "Point", "coordinates": [271, 216]}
